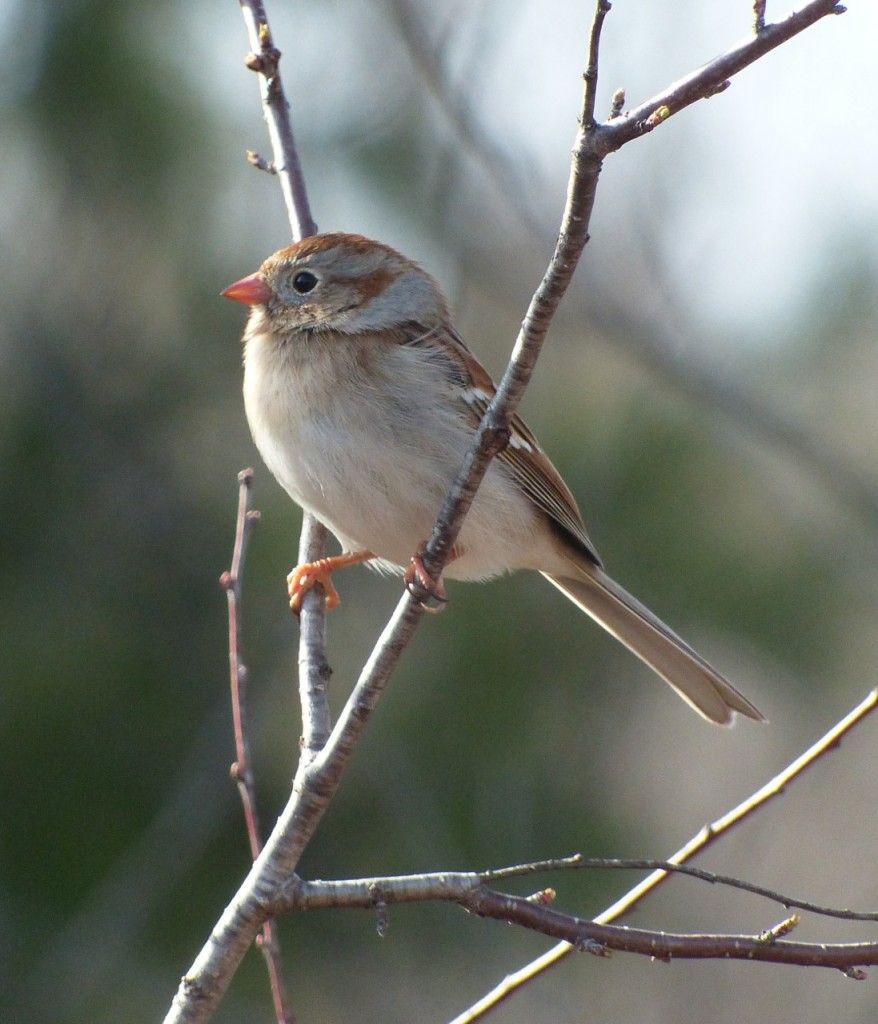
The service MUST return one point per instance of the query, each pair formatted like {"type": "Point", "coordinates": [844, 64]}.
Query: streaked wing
{"type": "Point", "coordinates": [523, 458]}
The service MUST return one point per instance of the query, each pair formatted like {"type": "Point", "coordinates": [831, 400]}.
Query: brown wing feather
{"type": "Point", "coordinates": [523, 458]}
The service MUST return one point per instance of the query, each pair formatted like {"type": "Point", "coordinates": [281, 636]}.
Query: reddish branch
{"type": "Point", "coordinates": [242, 769]}
{"type": "Point", "coordinates": [601, 939]}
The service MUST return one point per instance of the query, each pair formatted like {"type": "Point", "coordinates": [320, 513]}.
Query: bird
{"type": "Point", "coordinates": [363, 399]}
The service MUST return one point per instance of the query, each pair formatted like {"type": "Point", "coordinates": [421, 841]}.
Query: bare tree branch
{"type": "Point", "coordinates": [320, 773]}
{"type": "Point", "coordinates": [314, 670]}
{"type": "Point", "coordinates": [242, 769]}
{"type": "Point", "coordinates": [231, 582]}
{"type": "Point", "coordinates": [600, 939]}
{"type": "Point", "coordinates": [714, 76]}
{"type": "Point", "coordinates": [705, 837]}
{"type": "Point", "coordinates": [650, 343]}
{"type": "Point", "coordinates": [469, 890]}
{"type": "Point", "coordinates": [457, 886]}
{"type": "Point", "coordinates": [264, 59]}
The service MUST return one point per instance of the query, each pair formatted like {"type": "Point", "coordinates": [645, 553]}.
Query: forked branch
{"type": "Point", "coordinates": [322, 765]}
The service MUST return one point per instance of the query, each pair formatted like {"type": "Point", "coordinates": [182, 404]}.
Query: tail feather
{"type": "Point", "coordinates": [697, 682]}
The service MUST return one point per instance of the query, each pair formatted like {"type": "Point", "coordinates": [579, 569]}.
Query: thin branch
{"type": "Point", "coordinates": [468, 890]}
{"type": "Point", "coordinates": [600, 939]}
{"type": "Point", "coordinates": [649, 343]}
{"type": "Point", "coordinates": [594, 142]}
{"type": "Point", "coordinates": [264, 59]}
{"type": "Point", "coordinates": [242, 769]}
{"type": "Point", "coordinates": [705, 837]}
{"type": "Point", "coordinates": [314, 670]}
{"type": "Point", "coordinates": [493, 431]}
{"type": "Point", "coordinates": [790, 902]}
{"type": "Point", "coordinates": [712, 77]}
{"type": "Point", "coordinates": [591, 70]}
{"type": "Point", "coordinates": [457, 886]}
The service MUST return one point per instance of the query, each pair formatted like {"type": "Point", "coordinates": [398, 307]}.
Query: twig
{"type": "Point", "coordinates": [492, 434]}
{"type": "Point", "coordinates": [594, 142]}
{"type": "Point", "coordinates": [672, 867]}
{"type": "Point", "coordinates": [457, 886]}
{"type": "Point", "coordinates": [263, 59]}
{"type": "Point", "coordinates": [600, 939]}
{"type": "Point", "coordinates": [649, 343]}
{"type": "Point", "coordinates": [700, 841]}
{"type": "Point", "coordinates": [712, 77]}
{"type": "Point", "coordinates": [591, 70]}
{"type": "Point", "coordinates": [468, 890]}
{"type": "Point", "coordinates": [314, 670]}
{"type": "Point", "coordinates": [242, 769]}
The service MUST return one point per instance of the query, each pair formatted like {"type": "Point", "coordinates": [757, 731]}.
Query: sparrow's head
{"type": "Point", "coordinates": [340, 282]}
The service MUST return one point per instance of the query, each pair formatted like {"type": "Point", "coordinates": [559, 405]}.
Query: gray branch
{"type": "Point", "coordinates": [320, 773]}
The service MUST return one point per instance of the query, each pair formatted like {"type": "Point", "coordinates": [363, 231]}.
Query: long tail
{"type": "Point", "coordinates": [697, 682]}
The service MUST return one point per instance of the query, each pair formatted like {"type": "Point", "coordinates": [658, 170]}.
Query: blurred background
{"type": "Point", "coordinates": [708, 391]}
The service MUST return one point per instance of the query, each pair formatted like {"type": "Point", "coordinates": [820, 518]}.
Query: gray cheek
{"type": "Point", "coordinates": [411, 298]}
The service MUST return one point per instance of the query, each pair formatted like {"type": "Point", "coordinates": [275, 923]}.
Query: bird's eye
{"type": "Point", "coordinates": [304, 282]}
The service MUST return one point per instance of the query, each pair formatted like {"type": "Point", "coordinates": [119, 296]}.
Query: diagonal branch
{"type": "Point", "coordinates": [650, 343]}
{"type": "Point", "coordinates": [705, 837]}
{"type": "Point", "coordinates": [594, 142]}
{"type": "Point", "coordinates": [714, 76]}
{"type": "Point", "coordinates": [319, 776]}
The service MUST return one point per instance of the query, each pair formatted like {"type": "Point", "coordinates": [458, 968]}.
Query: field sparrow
{"type": "Point", "coordinates": [362, 400]}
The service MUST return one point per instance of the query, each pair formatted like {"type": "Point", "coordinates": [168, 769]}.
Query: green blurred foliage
{"type": "Point", "coordinates": [512, 730]}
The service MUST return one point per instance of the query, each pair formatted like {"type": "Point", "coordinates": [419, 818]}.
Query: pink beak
{"type": "Point", "coordinates": [252, 291]}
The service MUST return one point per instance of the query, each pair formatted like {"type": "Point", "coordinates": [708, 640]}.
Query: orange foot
{"type": "Point", "coordinates": [418, 582]}
{"type": "Point", "coordinates": [306, 575]}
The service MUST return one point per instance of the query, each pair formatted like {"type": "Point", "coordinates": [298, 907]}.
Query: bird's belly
{"type": "Point", "coordinates": [375, 497]}
{"type": "Point", "coordinates": [372, 470]}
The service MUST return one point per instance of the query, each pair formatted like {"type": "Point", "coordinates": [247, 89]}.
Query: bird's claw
{"type": "Point", "coordinates": [422, 588]}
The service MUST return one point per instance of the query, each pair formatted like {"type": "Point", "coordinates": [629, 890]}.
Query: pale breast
{"type": "Point", "coordinates": [368, 438]}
